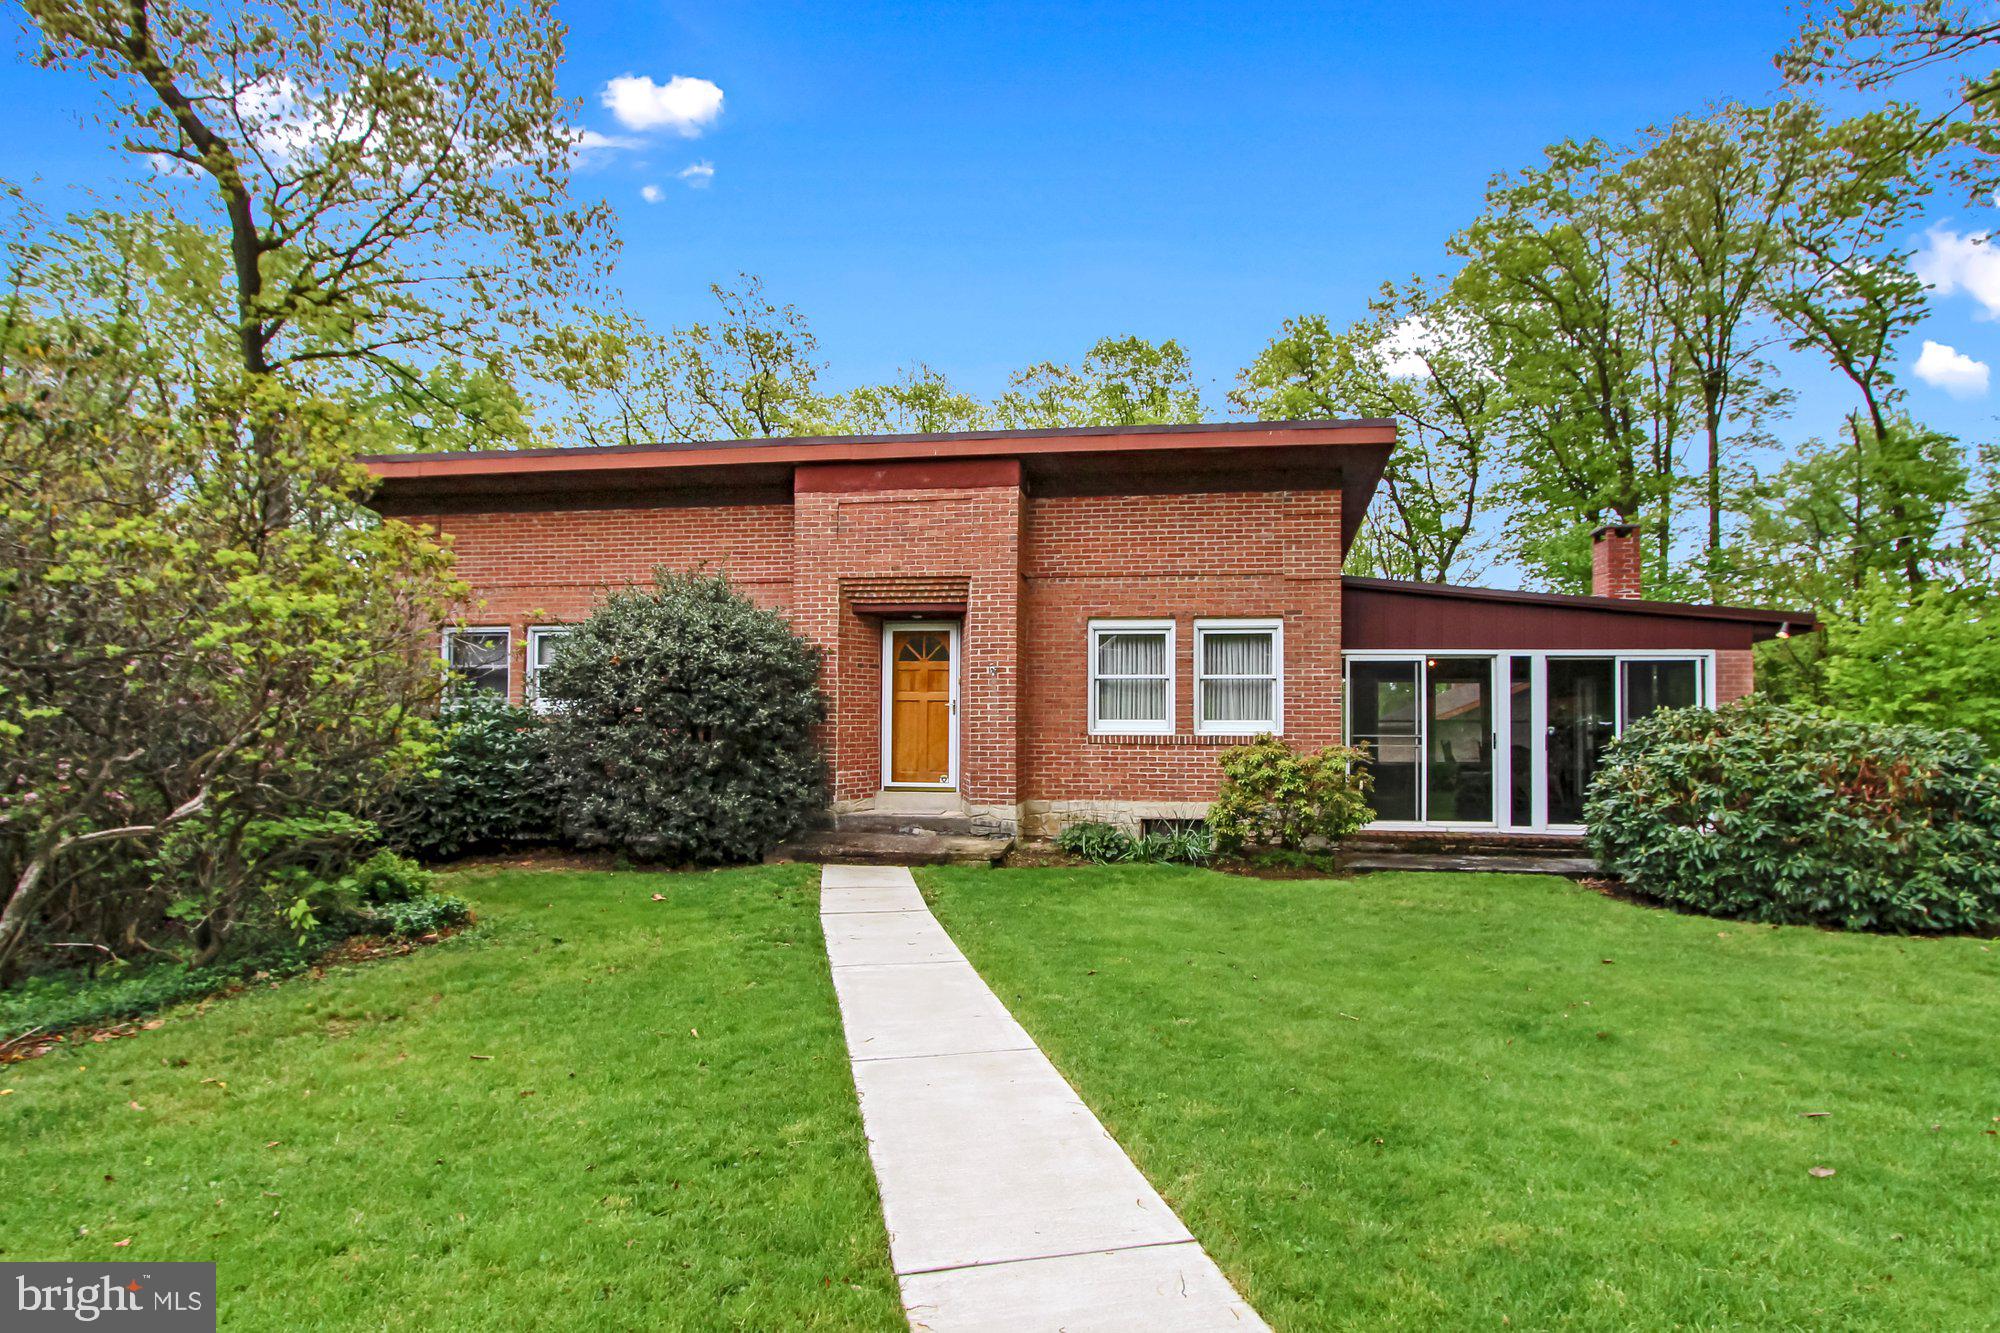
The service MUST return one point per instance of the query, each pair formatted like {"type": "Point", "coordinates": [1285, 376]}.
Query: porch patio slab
{"type": "Point", "coordinates": [1178, 1287]}
{"type": "Point", "coordinates": [896, 1013]}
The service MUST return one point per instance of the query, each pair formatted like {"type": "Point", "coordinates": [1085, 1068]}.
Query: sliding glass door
{"type": "Point", "coordinates": [1427, 725]}
{"type": "Point", "coordinates": [1382, 718]}
{"type": "Point", "coordinates": [1433, 727]}
{"type": "Point", "coordinates": [1581, 723]}
{"type": "Point", "coordinates": [1458, 754]}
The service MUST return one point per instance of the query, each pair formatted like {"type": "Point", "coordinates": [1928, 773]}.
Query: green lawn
{"type": "Point", "coordinates": [665, 1135]}
{"type": "Point", "coordinates": [1453, 1100]}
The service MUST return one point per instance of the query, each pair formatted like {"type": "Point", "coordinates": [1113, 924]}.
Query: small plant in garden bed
{"type": "Point", "coordinates": [1786, 816]}
{"type": "Point", "coordinates": [1107, 845]}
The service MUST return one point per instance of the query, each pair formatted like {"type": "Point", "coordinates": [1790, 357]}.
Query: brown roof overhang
{"type": "Point", "coordinates": [1222, 455]}
{"type": "Point", "coordinates": [1392, 613]}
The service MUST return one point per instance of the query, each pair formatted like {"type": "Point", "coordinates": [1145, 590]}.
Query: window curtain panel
{"type": "Point", "coordinates": [1226, 655]}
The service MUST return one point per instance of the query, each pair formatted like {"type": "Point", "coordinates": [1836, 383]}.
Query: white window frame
{"type": "Point", "coordinates": [1098, 727]}
{"type": "Point", "coordinates": [507, 657]}
{"type": "Point", "coordinates": [1275, 724]}
{"type": "Point", "coordinates": [531, 667]}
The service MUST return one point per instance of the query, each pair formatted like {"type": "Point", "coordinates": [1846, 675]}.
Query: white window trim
{"type": "Point", "coordinates": [531, 666]}
{"type": "Point", "coordinates": [1101, 728]}
{"type": "Point", "coordinates": [506, 638]}
{"type": "Point", "coordinates": [1275, 724]}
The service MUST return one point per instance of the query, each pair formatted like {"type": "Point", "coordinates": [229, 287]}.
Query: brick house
{"type": "Point", "coordinates": [1038, 627]}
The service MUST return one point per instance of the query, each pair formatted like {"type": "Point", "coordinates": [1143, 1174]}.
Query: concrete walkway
{"type": "Point", "coordinates": [1008, 1205]}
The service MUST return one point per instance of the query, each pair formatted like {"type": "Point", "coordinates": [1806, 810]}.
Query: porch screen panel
{"type": "Point", "coordinates": [1383, 719]}
{"type": "Point", "coordinates": [1458, 728]}
{"type": "Point", "coordinates": [1132, 671]}
{"type": "Point", "coordinates": [1239, 677]}
{"type": "Point", "coordinates": [1655, 685]}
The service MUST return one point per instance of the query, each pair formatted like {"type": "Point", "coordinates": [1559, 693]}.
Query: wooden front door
{"type": "Point", "coordinates": [920, 707]}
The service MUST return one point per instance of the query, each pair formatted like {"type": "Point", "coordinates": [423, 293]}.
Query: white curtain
{"type": "Point", "coordinates": [1132, 670]}
{"type": "Point", "coordinates": [1237, 655]}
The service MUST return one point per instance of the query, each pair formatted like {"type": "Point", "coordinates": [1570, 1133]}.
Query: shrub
{"type": "Point", "coordinates": [388, 878]}
{"type": "Point", "coordinates": [1096, 842]}
{"type": "Point", "coordinates": [421, 915]}
{"type": "Point", "coordinates": [1276, 797]}
{"type": "Point", "coordinates": [1775, 814]}
{"type": "Point", "coordinates": [683, 725]}
{"type": "Point", "coordinates": [490, 786]}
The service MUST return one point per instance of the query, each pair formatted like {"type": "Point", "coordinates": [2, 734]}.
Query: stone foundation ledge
{"type": "Point", "coordinates": [1047, 819]}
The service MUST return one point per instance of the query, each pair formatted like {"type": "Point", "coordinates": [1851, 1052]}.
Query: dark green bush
{"type": "Point", "coordinates": [1096, 842]}
{"type": "Point", "coordinates": [683, 725]}
{"type": "Point", "coordinates": [388, 878]}
{"type": "Point", "coordinates": [1276, 797]}
{"type": "Point", "coordinates": [1774, 814]}
{"type": "Point", "coordinates": [492, 786]}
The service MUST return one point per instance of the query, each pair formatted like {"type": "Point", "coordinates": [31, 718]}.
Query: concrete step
{"type": "Point", "coordinates": [1483, 862]}
{"type": "Point", "coordinates": [889, 821]}
{"type": "Point", "coordinates": [843, 847]}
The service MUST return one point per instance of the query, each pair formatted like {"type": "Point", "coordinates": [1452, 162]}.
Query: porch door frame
{"type": "Point", "coordinates": [890, 628]}
{"type": "Point", "coordinates": [1497, 701]}
{"type": "Point", "coordinates": [1502, 718]}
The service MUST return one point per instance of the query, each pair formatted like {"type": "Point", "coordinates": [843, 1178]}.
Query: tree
{"type": "Point", "coordinates": [1122, 381]}
{"type": "Point", "coordinates": [921, 401]}
{"type": "Point", "coordinates": [392, 178]}
{"type": "Point", "coordinates": [1707, 201]}
{"type": "Point", "coordinates": [1551, 273]}
{"type": "Point", "coordinates": [1932, 658]}
{"type": "Point", "coordinates": [1894, 46]}
{"type": "Point", "coordinates": [749, 375]}
{"type": "Point", "coordinates": [1419, 357]}
{"type": "Point", "coordinates": [189, 698]}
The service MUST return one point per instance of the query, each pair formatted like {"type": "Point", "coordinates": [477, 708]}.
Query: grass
{"type": "Point", "coordinates": [1461, 1101]}
{"type": "Point", "coordinates": [664, 1135]}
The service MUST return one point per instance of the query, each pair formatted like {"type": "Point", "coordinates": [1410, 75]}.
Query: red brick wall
{"type": "Point", "coordinates": [1735, 674]}
{"type": "Point", "coordinates": [866, 545]}
{"type": "Point", "coordinates": [1237, 554]}
{"type": "Point", "coordinates": [552, 566]}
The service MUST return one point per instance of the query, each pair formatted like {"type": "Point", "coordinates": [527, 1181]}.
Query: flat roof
{"type": "Point", "coordinates": [1248, 454]}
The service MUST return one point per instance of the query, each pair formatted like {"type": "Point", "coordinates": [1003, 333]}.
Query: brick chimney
{"type": "Point", "coordinates": [1614, 561]}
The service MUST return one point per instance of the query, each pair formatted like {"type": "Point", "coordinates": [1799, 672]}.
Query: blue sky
{"type": "Point", "coordinates": [983, 186]}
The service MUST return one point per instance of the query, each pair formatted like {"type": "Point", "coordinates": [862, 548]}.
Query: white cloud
{"type": "Point", "coordinates": [590, 141]}
{"type": "Point", "coordinates": [1953, 371]}
{"type": "Point", "coordinates": [1970, 263]}
{"type": "Point", "coordinates": [697, 175]}
{"type": "Point", "coordinates": [681, 104]}
{"type": "Point", "coordinates": [1402, 349]}
{"type": "Point", "coordinates": [652, 194]}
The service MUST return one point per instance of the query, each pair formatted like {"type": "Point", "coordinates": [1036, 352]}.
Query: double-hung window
{"type": "Point", "coordinates": [1132, 677]}
{"type": "Point", "coordinates": [543, 640]}
{"type": "Point", "coordinates": [1239, 668]}
{"type": "Point", "coordinates": [478, 658]}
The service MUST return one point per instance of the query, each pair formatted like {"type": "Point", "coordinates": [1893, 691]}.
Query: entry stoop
{"type": "Point", "coordinates": [843, 846]}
